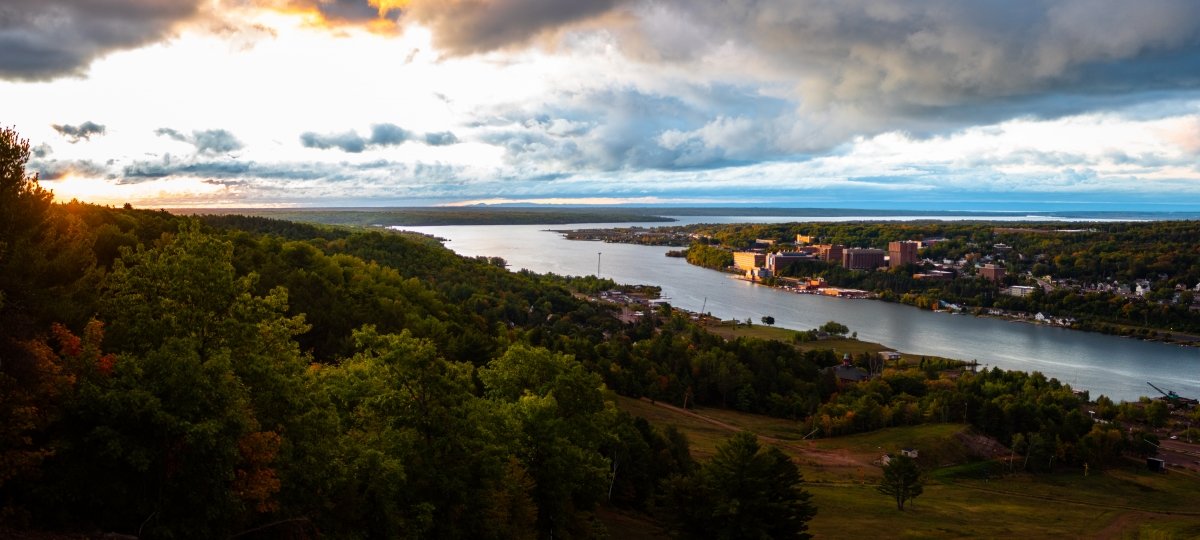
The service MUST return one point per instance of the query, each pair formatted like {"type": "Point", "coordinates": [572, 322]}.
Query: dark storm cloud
{"type": "Point", "coordinates": [83, 131]}
{"type": "Point", "coordinates": [44, 39]}
{"type": "Point", "coordinates": [209, 141]}
{"type": "Point", "coordinates": [861, 66]}
{"type": "Point", "coordinates": [336, 11]}
{"type": "Point", "coordinates": [471, 26]}
{"type": "Point", "coordinates": [921, 56]}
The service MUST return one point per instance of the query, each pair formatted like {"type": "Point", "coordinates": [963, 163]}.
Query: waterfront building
{"type": "Point", "coordinates": [902, 253]}
{"type": "Point", "coordinates": [782, 259]}
{"type": "Point", "coordinates": [862, 258]}
{"type": "Point", "coordinates": [755, 274]}
{"type": "Point", "coordinates": [748, 260]}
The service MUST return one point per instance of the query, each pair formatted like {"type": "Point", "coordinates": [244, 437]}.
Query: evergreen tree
{"type": "Point", "coordinates": [745, 491]}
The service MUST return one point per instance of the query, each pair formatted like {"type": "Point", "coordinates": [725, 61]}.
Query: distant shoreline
{"type": "Point", "coordinates": [564, 214]}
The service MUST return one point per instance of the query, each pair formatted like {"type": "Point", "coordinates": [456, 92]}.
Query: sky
{"type": "Point", "coordinates": [925, 104]}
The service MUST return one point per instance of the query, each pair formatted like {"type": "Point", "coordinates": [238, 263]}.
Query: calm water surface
{"type": "Point", "coordinates": [1109, 365]}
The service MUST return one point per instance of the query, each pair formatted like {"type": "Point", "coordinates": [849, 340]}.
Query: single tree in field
{"type": "Point", "coordinates": [901, 480]}
{"type": "Point", "coordinates": [745, 491]}
{"type": "Point", "coordinates": [768, 320]}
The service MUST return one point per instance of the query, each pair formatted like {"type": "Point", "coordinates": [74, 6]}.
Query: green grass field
{"type": "Point", "coordinates": [730, 330]}
{"type": "Point", "coordinates": [962, 498]}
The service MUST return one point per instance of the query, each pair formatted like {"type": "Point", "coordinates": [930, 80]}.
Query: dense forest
{"type": "Point", "coordinates": [175, 377]}
{"type": "Point", "coordinates": [1075, 270]}
{"type": "Point", "coordinates": [215, 376]}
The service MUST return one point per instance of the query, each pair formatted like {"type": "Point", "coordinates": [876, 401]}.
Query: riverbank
{"type": "Point", "coordinates": [1118, 368]}
{"type": "Point", "coordinates": [1107, 299]}
{"type": "Point", "coordinates": [1150, 334]}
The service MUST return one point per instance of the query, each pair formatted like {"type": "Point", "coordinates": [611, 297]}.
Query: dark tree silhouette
{"type": "Point", "coordinates": [901, 480]}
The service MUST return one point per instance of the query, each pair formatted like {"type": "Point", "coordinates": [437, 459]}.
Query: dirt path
{"type": "Point", "coordinates": [822, 457]}
{"type": "Point", "coordinates": [1125, 523]}
{"type": "Point", "coordinates": [1074, 501]}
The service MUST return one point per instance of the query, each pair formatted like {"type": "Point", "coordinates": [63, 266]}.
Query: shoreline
{"type": "Point", "coordinates": [1193, 340]}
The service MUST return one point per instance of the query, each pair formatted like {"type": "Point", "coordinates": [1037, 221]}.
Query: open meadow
{"type": "Point", "coordinates": [964, 497]}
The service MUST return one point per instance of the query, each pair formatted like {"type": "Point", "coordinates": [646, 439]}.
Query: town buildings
{"type": "Point", "coordinates": [902, 253]}
{"type": "Point", "coordinates": [863, 258]}
{"type": "Point", "coordinates": [748, 260]}
{"type": "Point", "coordinates": [831, 252]}
{"type": "Point", "coordinates": [783, 259]}
{"type": "Point", "coordinates": [992, 272]}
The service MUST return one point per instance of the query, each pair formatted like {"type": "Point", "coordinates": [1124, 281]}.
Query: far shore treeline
{"type": "Point", "coordinates": [203, 377]}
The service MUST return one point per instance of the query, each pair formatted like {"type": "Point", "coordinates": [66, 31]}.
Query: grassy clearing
{"type": "Point", "coordinates": [963, 500]}
{"type": "Point", "coordinates": [703, 436]}
{"type": "Point", "coordinates": [731, 330]}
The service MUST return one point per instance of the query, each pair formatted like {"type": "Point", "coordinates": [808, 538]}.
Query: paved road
{"type": "Point", "coordinates": [1180, 454]}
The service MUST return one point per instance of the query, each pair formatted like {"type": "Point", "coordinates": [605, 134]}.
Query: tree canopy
{"type": "Point", "coordinates": [901, 480]}
{"type": "Point", "coordinates": [745, 492]}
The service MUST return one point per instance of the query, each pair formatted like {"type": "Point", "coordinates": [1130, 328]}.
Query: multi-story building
{"type": "Point", "coordinates": [902, 253]}
{"type": "Point", "coordinates": [756, 274]}
{"type": "Point", "coordinates": [782, 259]}
{"type": "Point", "coordinates": [1018, 290]}
{"type": "Point", "coordinates": [863, 258]}
{"type": "Point", "coordinates": [858, 258]}
{"type": "Point", "coordinates": [992, 272]}
{"type": "Point", "coordinates": [830, 252]}
{"type": "Point", "coordinates": [748, 260]}
{"type": "Point", "coordinates": [805, 239]}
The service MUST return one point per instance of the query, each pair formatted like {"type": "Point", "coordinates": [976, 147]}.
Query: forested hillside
{"type": "Point", "coordinates": [171, 377]}
{"type": "Point", "coordinates": [206, 377]}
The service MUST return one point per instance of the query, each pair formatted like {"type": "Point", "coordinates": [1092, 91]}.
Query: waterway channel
{"type": "Point", "coordinates": [1110, 365]}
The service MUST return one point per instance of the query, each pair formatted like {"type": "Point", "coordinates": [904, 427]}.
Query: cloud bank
{"type": "Point", "coordinates": [45, 39]}
{"type": "Point", "coordinates": [382, 135]}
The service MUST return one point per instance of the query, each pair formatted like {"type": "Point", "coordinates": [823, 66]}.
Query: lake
{"type": "Point", "coordinates": [1110, 365]}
